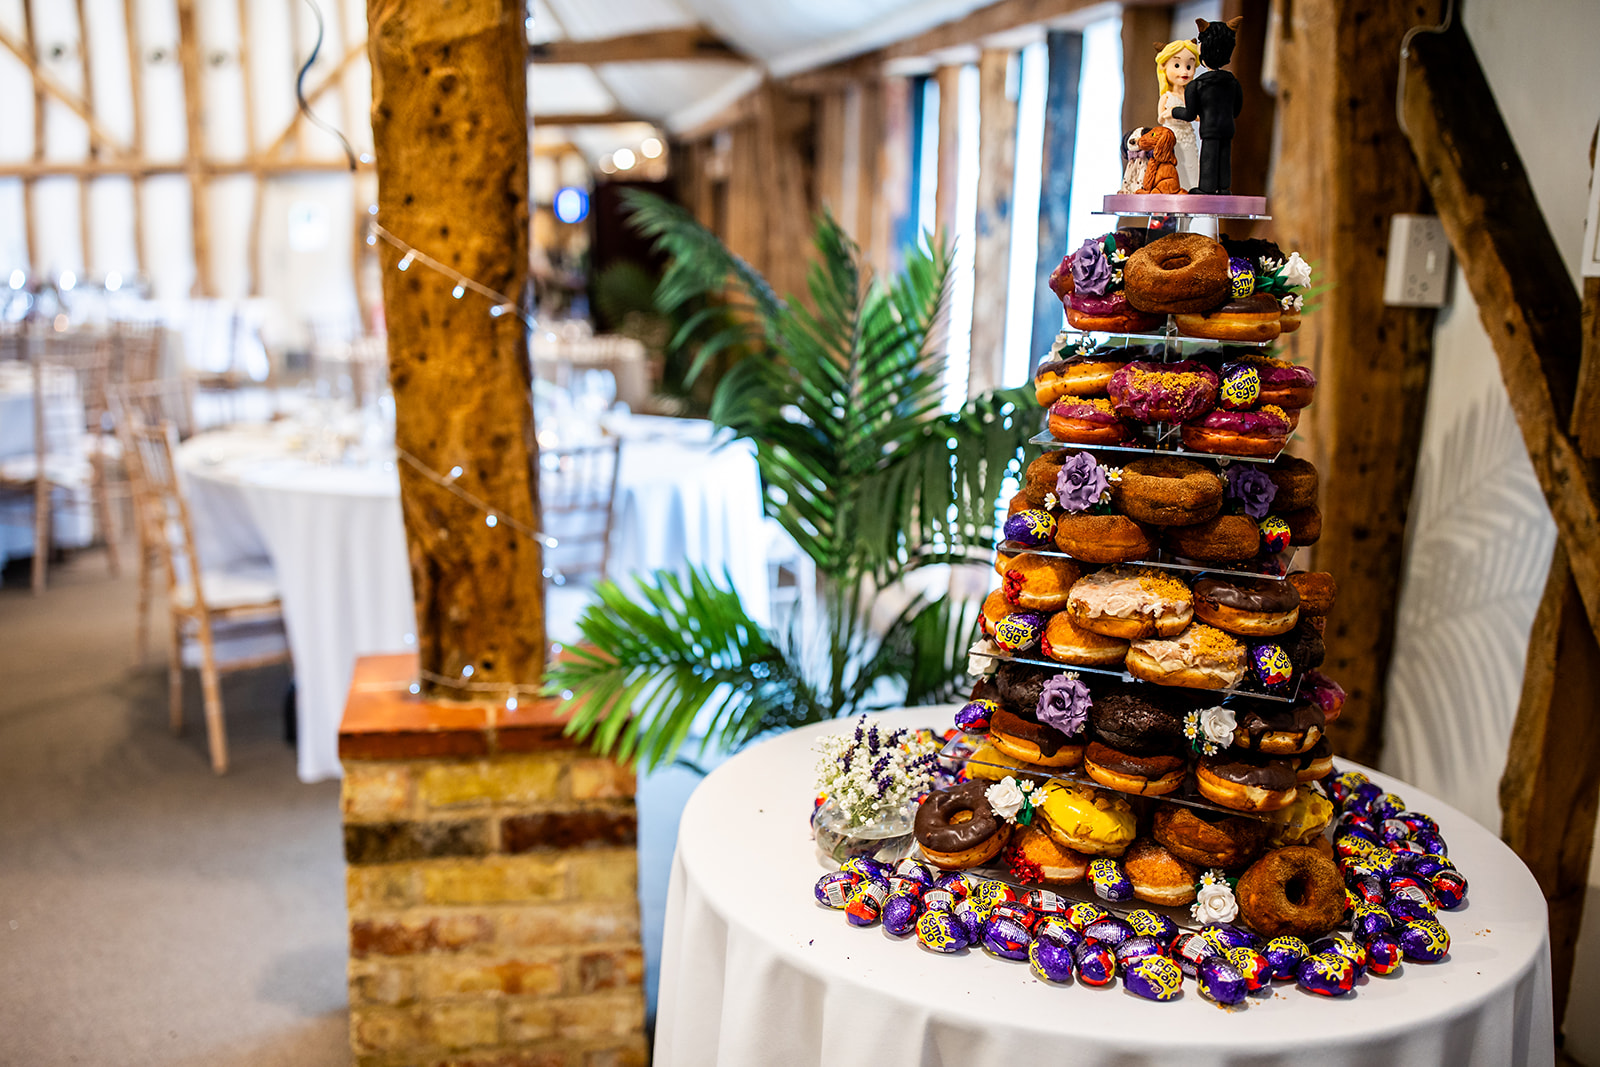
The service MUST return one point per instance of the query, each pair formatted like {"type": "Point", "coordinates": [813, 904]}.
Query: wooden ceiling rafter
{"type": "Point", "coordinates": [682, 44]}
{"type": "Point", "coordinates": [53, 88]}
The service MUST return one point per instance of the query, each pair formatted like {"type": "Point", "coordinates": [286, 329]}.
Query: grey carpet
{"type": "Point", "coordinates": [151, 912]}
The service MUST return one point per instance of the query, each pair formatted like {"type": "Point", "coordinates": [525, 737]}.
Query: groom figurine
{"type": "Point", "coordinates": [1214, 98]}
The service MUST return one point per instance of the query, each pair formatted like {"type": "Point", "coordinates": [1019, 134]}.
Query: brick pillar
{"type": "Point", "coordinates": [492, 885]}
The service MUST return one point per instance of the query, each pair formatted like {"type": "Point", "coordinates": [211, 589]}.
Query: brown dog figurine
{"type": "Point", "coordinates": [1161, 171]}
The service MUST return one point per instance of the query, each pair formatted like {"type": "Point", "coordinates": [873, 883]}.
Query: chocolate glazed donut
{"type": "Point", "coordinates": [951, 841]}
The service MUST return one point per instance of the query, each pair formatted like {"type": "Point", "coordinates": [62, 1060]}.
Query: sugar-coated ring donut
{"type": "Point", "coordinates": [1295, 480]}
{"type": "Point", "coordinates": [1179, 273]}
{"type": "Point", "coordinates": [1066, 642]}
{"type": "Point", "coordinates": [1249, 607]}
{"type": "Point", "coordinates": [1256, 317]}
{"type": "Point", "coordinates": [1206, 838]}
{"type": "Point", "coordinates": [1020, 502]}
{"type": "Point", "coordinates": [1305, 525]}
{"type": "Point", "coordinates": [1317, 589]}
{"type": "Point", "coordinates": [1033, 742]}
{"type": "Point", "coordinates": [1103, 538]}
{"type": "Point", "coordinates": [1159, 876]}
{"type": "Point", "coordinates": [1224, 539]}
{"type": "Point", "coordinates": [1086, 420]}
{"type": "Point", "coordinates": [1246, 785]}
{"type": "Point", "coordinates": [1127, 773]}
{"type": "Point", "coordinates": [958, 829]}
{"type": "Point", "coordinates": [1167, 491]}
{"type": "Point", "coordinates": [1163, 392]}
{"type": "Point", "coordinates": [1294, 891]}
{"type": "Point", "coordinates": [1039, 480]}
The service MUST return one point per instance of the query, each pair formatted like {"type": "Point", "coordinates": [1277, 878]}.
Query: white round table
{"type": "Point", "coordinates": [335, 539]}
{"type": "Point", "coordinates": [754, 971]}
{"type": "Point", "coordinates": [71, 512]}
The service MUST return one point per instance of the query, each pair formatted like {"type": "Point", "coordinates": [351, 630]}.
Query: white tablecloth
{"type": "Point", "coordinates": [71, 513]}
{"type": "Point", "coordinates": [336, 541]}
{"type": "Point", "coordinates": [754, 971]}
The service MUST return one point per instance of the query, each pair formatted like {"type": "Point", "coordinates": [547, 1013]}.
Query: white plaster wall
{"type": "Point", "coordinates": [1480, 537]}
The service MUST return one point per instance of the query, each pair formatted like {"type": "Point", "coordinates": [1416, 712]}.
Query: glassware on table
{"type": "Point", "coordinates": [886, 839]}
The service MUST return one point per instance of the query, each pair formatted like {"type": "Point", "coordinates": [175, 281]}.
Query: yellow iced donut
{"type": "Point", "coordinates": [1088, 820]}
{"type": "Point", "coordinates": [1301, 821]}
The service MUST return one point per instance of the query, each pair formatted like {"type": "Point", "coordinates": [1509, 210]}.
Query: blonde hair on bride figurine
{"type": "Point", "coordinates": [1168, 51]}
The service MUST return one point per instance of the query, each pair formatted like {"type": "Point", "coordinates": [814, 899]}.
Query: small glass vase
{"type": "Point", "coordinates": [886, 839]}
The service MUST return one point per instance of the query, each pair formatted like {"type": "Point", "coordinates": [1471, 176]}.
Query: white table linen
{"type": "Point", "coordinates": [71, 511]}
{"type": "Point", "coordinates": [753, 971]}
{"type": "Point", "coordinates": [335, 537]}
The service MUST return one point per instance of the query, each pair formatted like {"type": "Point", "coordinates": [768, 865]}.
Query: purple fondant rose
{"type": "Point", "coordinates": [1064, 704]}
{"type": "Point", "coordinates": [1091, 271]}
{"type": "Point", "coordinates": [1251, 487]}
{"type": "Point", "coordinates": [1080, 483]}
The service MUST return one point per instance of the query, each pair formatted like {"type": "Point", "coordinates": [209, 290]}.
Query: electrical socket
{"type": "Point", "coordinates": [1418, 271]}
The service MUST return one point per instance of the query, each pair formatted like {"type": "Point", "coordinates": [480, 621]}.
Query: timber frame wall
{"type": "Point", "coordinates": [230, 65]}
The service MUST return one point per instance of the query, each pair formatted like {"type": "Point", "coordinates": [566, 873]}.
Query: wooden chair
{"type": "Point", "coordinates": [577, 494]}
{"type": "Point", "coordinates": [68, 386]}
{"type": "Point", "coordinates": [205, 608]}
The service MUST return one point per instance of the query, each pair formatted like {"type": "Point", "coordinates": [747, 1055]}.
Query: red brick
{"type": "Point", "coordinates": [407, 937]}
{"type": "Point", "coordinates": [610, 970]}
{"type": "Point", "coordinates": [592, 828]}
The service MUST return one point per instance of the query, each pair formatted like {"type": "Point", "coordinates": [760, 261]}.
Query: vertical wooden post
{"type": "Point", "coordinates": [784, 176]}
{"type": "Point", "coordinates": [747, 199]}
{"type": "Point", "coordinates": [830, 152]}
{"type": "Point", "coordinates": [1550, 760]}
{"type": "Point", "coordinates": [193, 92]}
{"type": "Point", "coordinates": [869, 136]}
{"type": "Point", "coordinates": [29, 215]}
{"type": "Point", "coordinates": [247, 84]}
{"type": "Point", "coordinates": [1142, 29]}
{"type": "Point", "coordinates": [948, 79]}
{"type": "Point", "coordinates": [997, 154]}
{"type": "Point", "coordinates": [893, 199]}
{"type": "Point", "coordinates": [1252, 145]}
{"type": "Point", "coordinates": [130, 18]}
{"type": "Point", "coordinates": [1065, 49]}
{"type": "Point", "coordinates": [450, 128]}
{"type": "Point", "coordinates": [1343, 171]}
{"type": "Point", "coordinates": [85, 183]}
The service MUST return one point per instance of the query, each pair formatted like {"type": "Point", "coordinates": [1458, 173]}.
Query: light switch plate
{"type": "Point", "coordinates": [1418, 272]}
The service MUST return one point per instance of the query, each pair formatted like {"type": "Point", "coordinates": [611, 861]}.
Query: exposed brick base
{"type": "Point", "coordinates": [492, 886]}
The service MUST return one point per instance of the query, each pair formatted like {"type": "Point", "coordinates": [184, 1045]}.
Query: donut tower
{"type": "Point", "coordinates": [1140, 784]}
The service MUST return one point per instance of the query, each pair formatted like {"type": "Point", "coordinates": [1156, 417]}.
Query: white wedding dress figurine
{"type": "Point", "coordinates": [1176, 63]}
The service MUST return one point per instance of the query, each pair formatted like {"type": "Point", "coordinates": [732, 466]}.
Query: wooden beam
{"type": "Point", "coordinates": [329, 80]}
{"type": "Point", "coordinates": [1142, 29]}
{"type": "Point", "coordinates": [195, 140]}
{"type": "Point", "coordinates": [1065, 65]}
{"type": "Point", "coordinates": [130, 22]}
{"type": "Point", "coordinates": [689, 42]}
{"type": "Point", "coordinates": [869, 189]}
{"type": "Point", "coordinates": [1341, 175]}
{"type": "Point", "coordinates": [893, 200]}
{"type": "Point", "coordinates": [85, 206]}
{"type": "Point", "coordinates": [997, 155]}
{"type": "Point", "coordinates": [1585, 425]}
{"type": "Point", "coordinates": [258, 187]}
{"type": "Point", "coordinates": [578, 118]}
{"type": "Point", "coordinates": [1524, 294]}
{"type": "Point", "coordinates": [135, 168]}
{"type": "Point", "coordinates": [984, 22]}
{"type": "Point", "coordinates": [46, 83]}
{"type": "Point", "coordinates": [450, 82]}
{"type": "Point", "coordinates": [747, 216]}
{"type": "Point", "coordinates": [948, 79]}
{"type": "Point", "coordinates": [1551, 784]}
{"type": "Point", "coordinates": [1252, 143]}
{"type": "Point", "coordinates": [29, 214]}
{"type": "Point", "coordinates": [783, 123]}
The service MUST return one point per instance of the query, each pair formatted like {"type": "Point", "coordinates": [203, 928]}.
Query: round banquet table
{"type": "Point", "coordinates": [335, 539]}
{"type": "Point", "coordinates": [71, 513]}
{"type": "Point", "coordinates": [755, 971]}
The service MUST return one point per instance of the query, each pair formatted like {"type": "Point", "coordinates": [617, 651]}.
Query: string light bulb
{"type": "Point", "coordinates": [405, 261]}
{"type": "Point", "coordinates": [458, 292]}
{"type": "Point", "coordinates": [624, 158]}
{"type": "Point", "coordinates": [650, 148]}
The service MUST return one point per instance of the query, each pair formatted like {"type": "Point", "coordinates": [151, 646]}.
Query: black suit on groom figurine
{"type": "Point", "coordinates": [1214, 98]}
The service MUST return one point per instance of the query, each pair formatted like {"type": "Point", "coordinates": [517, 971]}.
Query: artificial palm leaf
{"type": "Point", "coordinates": [676, 653]}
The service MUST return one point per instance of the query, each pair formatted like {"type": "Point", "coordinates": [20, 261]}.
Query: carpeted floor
{"type": "Point", "coordinates": [151, 912]}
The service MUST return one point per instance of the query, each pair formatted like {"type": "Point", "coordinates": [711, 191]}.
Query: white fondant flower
{"type": "Point", "coordinates": [1005, 798]}
{"type": "Point", "coordinates": [1218, 723]}
{"type": "Point", "coordinates": [981, 658]}
{"type": "Point", "coordinates": [1270, 264]}
{"type": "Point", "coordinates": [1059, 345]}
{"type": "Point", "coordinates": [1297, 272]}
{"type": "Point", "coordinates": [1049, 500]}
{"type": "Point", "coordinates": [1214, 904]}
{"type": "Point", "coordinates": [1191, 725]}
{"type": "Point", "coordinates": [1026, 785]}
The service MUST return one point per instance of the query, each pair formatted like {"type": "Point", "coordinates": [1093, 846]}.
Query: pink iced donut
{"type": "Point", "coordinates": [1163, 392]}
{"type": "Point", "coordinates": [1239, 433]}
{"type": "Point", "coordinates": [1086, 420]}
{"type": "Point", "coordinates": [1284, 384]}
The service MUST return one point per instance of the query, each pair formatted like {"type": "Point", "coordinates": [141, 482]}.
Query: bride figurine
{"type": "Point", "coordinates": [1176, 63]}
